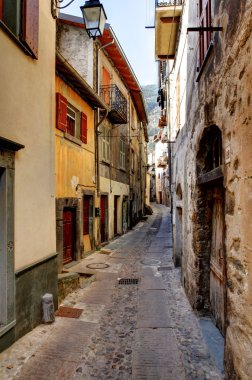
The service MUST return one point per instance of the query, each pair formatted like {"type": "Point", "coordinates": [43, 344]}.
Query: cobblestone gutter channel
{"type": "Point", "coordinates": [140, 331]}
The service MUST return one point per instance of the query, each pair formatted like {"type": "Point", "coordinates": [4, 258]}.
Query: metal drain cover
{"type": "Point", "coordinates": [128, 281]}
{"type": "Point", "coordinates": [97, 266]}
{"type": "Point", "coordinates": [164, 269]}
{"type": "Point", "coordinates": [150, 262]}
{"type": "Point", "coordinates": [68, 312]}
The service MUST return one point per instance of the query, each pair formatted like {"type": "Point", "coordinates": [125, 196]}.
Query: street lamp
{"type": "Point", "coordinates": [94, 18]}
{"type": "Point", "coordinates": [93, 14]}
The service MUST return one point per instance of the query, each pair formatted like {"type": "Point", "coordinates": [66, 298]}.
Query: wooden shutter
{"type": "Point", "coordinates": [30, 25]}
{"type": "Point", "coordinates": [83, 128]}
{"type": "Point", "coordinates": [61, 112]}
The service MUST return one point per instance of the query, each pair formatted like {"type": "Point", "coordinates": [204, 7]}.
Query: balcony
{"type": "Point", "coordinates": [162, 162]}
{"type": "Point", "coordinates": [117, 104]}
{"type": "Point", "coordinates": [162, 121]}
{"type": "Point", "coordinates": [167, 19]}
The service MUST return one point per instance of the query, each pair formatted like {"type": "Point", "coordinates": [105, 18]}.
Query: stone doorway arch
{"type": "Point", "coordinates": [178, 238]}
{"type": "Point", "coordinates": [209, 228]}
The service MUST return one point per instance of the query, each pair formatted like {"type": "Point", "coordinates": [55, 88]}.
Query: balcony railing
{"type": "Point", "coordinates": [168, 3]}
{"type": "Point", "coordinates": [117, 103]}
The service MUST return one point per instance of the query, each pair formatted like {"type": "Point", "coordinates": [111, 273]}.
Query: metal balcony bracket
{"type": "Point", "coordinates": [205, 29]}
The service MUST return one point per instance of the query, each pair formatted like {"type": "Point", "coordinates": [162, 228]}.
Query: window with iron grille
{"type": "Point", "coordinates": [122, 155]}
{"type": "Point", "coordinates": [105, 144]}
{"type": "Point", "coordinates": [205, 37]}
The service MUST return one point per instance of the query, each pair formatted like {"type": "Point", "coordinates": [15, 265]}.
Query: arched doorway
{"type": "Point", "coordinates": [209, 228]}
{"type": "Point", "coordinates": [178, 241]}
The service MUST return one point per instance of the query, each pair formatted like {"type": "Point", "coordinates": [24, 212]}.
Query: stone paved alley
{"type": "Point", "coordinates": [144, 331]}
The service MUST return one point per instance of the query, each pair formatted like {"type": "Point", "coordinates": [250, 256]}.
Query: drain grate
{"type": "Point", "coordinates": [97, 266]}
{"type": "Point", "coordinates": [128, 281]}
{"type": "Point", "coordinates": [160, 269]}
{"type": "Point", "coordinates": [68, 312]}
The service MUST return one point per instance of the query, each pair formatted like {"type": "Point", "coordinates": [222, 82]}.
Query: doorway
{"type": "Point", "coordinates": [116, 198]}
{"type": "Point", "coordinates": [209, 228]}
{"type": "Point", "coordinates": [160, 197]}
{"type": "Point", "coordinates": [217, 267]}
{"type": "Point", "coordinates": [88, 222]}
{"type": "Point", "coordinates": [104, 218]}
{"type": "Point", "coordinates": [68, 235]}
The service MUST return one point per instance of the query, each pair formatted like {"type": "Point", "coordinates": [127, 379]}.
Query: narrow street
{"type": "Point", "coordinates": [126, 331]}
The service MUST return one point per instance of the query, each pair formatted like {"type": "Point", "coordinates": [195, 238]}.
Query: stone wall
{"type": "Point", "coordinates": [222, 98]}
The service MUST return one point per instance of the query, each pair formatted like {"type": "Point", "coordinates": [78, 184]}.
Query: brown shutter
{"type": "Point", "coordinates": [61, 112]}
{"type": "Point", "coordinates": [83, 128]}
{"type": "Point", "coordinates": [30, 25]}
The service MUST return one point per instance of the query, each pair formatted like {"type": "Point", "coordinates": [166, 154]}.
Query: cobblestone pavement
{"type": "Point", "coordinates": [139, 331]}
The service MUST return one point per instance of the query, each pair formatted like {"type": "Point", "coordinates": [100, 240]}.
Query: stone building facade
{"type": "Point", "coordinates": [116, 169]}
{"type": "Point", "coordinates": [208, 81]}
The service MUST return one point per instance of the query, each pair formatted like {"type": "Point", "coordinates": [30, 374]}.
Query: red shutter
{"type": "Point", "coordinates": [30, 25]}
{"type": "Point", "coordinates": [83, 128]}
{"type": "Point", "coordinates": [61, 112]}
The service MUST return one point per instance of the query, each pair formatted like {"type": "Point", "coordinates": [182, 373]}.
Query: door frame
{"type": "Point", "coordinates": [89, 193]}
{"type": "Point", "coordinates": [104, 194]}
{"type": "Point", "coordinates": [61, 204]}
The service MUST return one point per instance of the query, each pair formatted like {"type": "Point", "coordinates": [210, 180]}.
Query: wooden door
{"type": "Point", "coordinates": [103, 218]}
{"type": "Point", "coordinates": [217, 262]}
{"type": "Point", "coordinates": [115, 214]}
{"type": "Point", "coordinates": [68, 235]}
{"type": "Point", "coordinates": [124, 216]}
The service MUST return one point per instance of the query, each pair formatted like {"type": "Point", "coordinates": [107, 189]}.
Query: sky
{"type": "Point", "coordinates": [128, 20]}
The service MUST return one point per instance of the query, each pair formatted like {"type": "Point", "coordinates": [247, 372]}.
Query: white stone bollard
{"type": "Point", "coordinates": [48, 308]}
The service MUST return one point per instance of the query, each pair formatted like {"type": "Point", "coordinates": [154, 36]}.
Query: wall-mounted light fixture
{"type": "Point", "coordinates": [93, 13]}
{"type": "Point", "coordinates": [94, 18]}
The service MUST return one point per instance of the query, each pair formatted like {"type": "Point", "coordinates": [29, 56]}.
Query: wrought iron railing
{"type": "Point", "coordinates": [117, 103]}
{"type": "Point", "coordinates": [168, 3]}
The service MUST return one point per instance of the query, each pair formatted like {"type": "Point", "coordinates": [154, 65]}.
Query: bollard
{"type": "Point", "coordinates": [48, 308]}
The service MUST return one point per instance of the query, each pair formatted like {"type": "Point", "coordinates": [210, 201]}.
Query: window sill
{"type": "Point", "coordinates": [201, 69]}
{"type": "Point", "coordinates": [15, 39]}
{"type": "Point", "coordinates": [73, 139]}
{"type": "Point", "coordinates": [4, 329]}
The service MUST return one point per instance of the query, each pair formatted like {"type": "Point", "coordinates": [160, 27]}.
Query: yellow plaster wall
{"type": "Point", "coordinates": [74, 163]}
{"type": "Point", "coordinates": [117, 188]}
{"type": "Point", "coordinates": [27, 93]}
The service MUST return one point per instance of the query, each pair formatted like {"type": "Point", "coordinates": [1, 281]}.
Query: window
{"type": "Point", "coordinates": [106, 85]}
{"type": "Point", "coordinates": [105, 144]}
{"type": "Point", "coordinates": [73, 127]}
{"type": "Point", "coordinates": [70, 120]}
{"type": "Point", "coordinates": [122, 155]}
{"type": "Point", "coordinates": [204, 37]}
{"type": "Point", "coordinates": [21, 17]}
